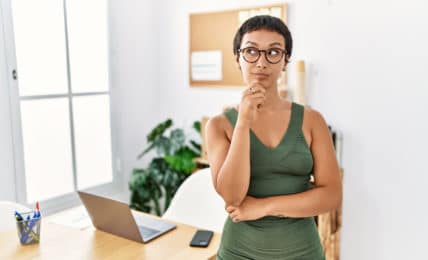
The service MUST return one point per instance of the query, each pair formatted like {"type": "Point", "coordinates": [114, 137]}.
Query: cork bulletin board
{"type": "Point", "coordinates": [211, 59]}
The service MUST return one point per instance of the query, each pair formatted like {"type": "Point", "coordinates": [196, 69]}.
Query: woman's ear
{"type": "Point", "coordinates": [286, 63]}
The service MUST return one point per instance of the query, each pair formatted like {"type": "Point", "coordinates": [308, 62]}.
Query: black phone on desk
{"type": "Point", "coordinates": [201, 238]}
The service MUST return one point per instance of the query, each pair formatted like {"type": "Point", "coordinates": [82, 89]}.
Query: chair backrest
{"type": "Point", "coordinates": [197, 203]}
{"type": "Point", "coordinates": [7, 210]}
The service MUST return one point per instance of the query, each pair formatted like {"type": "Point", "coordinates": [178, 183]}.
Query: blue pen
{"type": "Point", "coordinates": [30, 230]}
{"type": "Point", "coordinates": [20, 218]}
{"type": "Point", "coordinates": [28, 224]}
{"type": "Point", "coordinates": [18, 215]}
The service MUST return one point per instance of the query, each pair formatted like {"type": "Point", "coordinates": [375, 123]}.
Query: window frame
{"type": "Point", "coordinates": [69, 199]}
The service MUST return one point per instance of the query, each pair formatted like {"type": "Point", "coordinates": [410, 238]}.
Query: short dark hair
{"type": "Point", "coordinates": [265, 22]}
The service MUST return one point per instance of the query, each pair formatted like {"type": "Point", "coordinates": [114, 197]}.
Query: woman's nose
{"type": "Point", "coordinates": [262, 62]}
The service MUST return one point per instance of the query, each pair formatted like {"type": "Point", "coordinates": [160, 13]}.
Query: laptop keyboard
{"type": "Point", "coordinates": [146, 232]}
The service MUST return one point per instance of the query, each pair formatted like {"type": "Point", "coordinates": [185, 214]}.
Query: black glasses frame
{"type": "Point", "coordinates": [283, 52]}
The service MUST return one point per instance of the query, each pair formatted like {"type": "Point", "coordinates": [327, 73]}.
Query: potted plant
{"type": "Point", "coordinates": [172, 164]}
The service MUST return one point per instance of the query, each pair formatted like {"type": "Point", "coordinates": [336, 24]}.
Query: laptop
{"type": "Point", "coordinates": [116, 217]}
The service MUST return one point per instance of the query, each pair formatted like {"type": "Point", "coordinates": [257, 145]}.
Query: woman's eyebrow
{"type": "Point", "coordinates": [250, 42]}
{"type": "Point", "coordinates": [272, 44]}
{"type": "Point", "coordinates": [275, 43]}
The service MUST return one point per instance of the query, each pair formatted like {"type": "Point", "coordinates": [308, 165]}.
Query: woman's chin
{"type": "Point", "coordinates": [265, 82]}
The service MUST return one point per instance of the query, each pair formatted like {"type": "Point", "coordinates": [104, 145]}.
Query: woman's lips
{"type": "Point", "coordinates": [260, 75]}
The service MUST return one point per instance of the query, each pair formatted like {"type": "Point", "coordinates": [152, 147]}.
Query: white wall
{"type": "Point", "coordinates": [7, 184]}
{"type": "Point", "coordinates": [372, 85]}
{"type": "Point", "coordinates": [366, 64]}
{"type": "Point", "coordinates": [134, 80]}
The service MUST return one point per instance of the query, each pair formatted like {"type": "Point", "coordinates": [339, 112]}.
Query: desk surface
{"type": "Point", "coordinates": [60, 242]}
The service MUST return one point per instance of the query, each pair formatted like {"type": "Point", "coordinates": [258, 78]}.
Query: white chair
{"type": "Point", "coordinates": [7, 214]}
{"type": "Point", "coordinates": [197, 203]}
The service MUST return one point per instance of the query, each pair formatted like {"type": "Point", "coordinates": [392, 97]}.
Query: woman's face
{"type": "Point", "coordinates": [262, 71]}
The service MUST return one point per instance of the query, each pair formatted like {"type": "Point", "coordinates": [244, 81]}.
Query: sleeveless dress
{"type": "Point", "coordinates": [284, 169]}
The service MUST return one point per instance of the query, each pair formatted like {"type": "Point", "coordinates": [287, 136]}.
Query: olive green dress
{"type": "Point", "coordinates": [284, 169]}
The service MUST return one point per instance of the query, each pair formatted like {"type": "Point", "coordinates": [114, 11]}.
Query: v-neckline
{"type": "Point", "coordinates": [284, 135]}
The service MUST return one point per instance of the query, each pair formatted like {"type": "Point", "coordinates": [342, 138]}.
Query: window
{"type": "Point", "coordinates": [62, 102]}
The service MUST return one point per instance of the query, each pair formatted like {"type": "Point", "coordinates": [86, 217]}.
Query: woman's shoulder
{"type": "Point", "coordinates": [220, 120]}
{"type": "Point", "coordinates": [310, 111]}
{"type": "Point", "coordinates": [313, 117]}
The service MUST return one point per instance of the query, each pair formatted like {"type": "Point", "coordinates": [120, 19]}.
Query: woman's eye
{"type": "Point", "coordinates": [273, 52]}
{"type": "Point", "coordinates": [252, 51]}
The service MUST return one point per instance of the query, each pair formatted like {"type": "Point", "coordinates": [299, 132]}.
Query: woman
{"type": "Point", "coordinates": [263, 152]}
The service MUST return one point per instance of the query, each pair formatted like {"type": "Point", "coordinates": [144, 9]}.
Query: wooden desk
{"type": "Point", "coordinates": [60, 242]}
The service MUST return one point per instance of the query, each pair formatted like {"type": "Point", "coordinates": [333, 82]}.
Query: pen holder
{"type": "Point", "coordinates": [29, 230]}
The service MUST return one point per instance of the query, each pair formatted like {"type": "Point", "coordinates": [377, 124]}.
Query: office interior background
{"type": "Point", "coordinates": [366, 64]}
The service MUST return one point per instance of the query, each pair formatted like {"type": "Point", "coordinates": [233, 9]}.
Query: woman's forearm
{"type": "Point", "coordinates": [305, 204]}
{"type": "Point", "coordinates": [234, 176]}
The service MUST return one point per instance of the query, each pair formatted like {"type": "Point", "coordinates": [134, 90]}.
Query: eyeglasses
{"type": "Point", "coordinates": [272, 55]}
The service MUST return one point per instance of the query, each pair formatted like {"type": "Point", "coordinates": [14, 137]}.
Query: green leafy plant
{"type": "Point", "coordinates": [172, 164]}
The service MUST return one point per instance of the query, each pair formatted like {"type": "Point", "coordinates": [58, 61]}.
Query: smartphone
{"type": "Point", "coordinates": [201, 238]}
